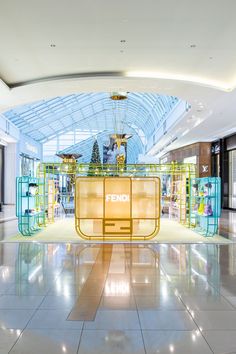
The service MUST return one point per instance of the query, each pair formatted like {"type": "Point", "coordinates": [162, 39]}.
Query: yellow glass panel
{"type": "Point", "coordinates": [144, 200]}
{"type": "Point", "coordinates": [144, 227]}
{"type": "Point", "coordinates": [89, 198]}
{"type": "Point", "coordinates": [117, 208]}
{"type": "Point", "coordinates": [91, 227]}
{"type": "Point", "coordinates": [117, 198]}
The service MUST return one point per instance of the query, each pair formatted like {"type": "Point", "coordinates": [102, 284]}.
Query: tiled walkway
{"type": "Point", "coordinates": [8, 213]}
{"type": "Point", "coordinates": [155, 299]}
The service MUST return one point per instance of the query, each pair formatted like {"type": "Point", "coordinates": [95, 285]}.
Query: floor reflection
{"type": "Point", "coordinates": [164, 298]}
{"type": "Point", "coordinates": [133, 269]}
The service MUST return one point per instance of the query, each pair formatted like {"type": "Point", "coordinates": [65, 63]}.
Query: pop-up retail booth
{"type": "Point", "coordinates": [118, 202]}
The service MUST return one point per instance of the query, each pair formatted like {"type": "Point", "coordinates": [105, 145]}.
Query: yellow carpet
{"type": "Point", "coordinates": [63, 230]}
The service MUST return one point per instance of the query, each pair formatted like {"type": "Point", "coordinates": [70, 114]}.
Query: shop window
{"type": "Point", "coordinates": [232, 179]}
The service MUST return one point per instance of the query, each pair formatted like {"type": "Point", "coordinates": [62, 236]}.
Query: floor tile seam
{"type": "Point", "coordinates": [116, 328]}
{"type": "Point", "coordinates": [82, 330]}
{"type": "Point", "coordinates": [228, 301]}
{"type": "Point", "coordinates": [34, 312]}
{"type": "Point", "coordinates": [169, 330]}
{"type": "Point", "coordinates": [53, 308]}
{"type": "Point", "coordinates": [106, 329]}
{"type": "Point", "coordinates": [214, 287]}
{"type": "Point", "coordinates": [23, 309]}
{"type": "Point", "coordinates": [144, 346]}
{"type": "Point", "coordinates": [10, 295]}
{"type": "Point", "coordinates": [204, 337]}
{"type": "Point", "coordinates": [221, 330]}
{"type": "Point", "coordinates": [219, 311]}
{"type": "Point", "coordinates": [163, 310]}
{"type": "Point", "coordinates": [128, 262]}
{"type": "Point", "coordinates": [53, 329]}
{"type": "Point", "coordinates": [195, 323]}
{"type": "Point", "coordinates": [184, 310]}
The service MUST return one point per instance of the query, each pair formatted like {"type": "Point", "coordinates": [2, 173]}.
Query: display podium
{"type": "Point", "coordinates": [117, 208]}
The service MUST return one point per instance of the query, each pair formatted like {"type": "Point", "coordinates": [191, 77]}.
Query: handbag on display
{"type": "Point", "coordinates": [208, 209]}
{"type": "Point", "coordinates": [201, 207]}
{"type": "Point", "coordinates": [195, 208]}
{"type": "Point", "coordinates": [195, 186]}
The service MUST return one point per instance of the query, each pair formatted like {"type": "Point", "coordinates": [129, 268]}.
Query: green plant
{"type": "Point", "coordinates": [95, 162]}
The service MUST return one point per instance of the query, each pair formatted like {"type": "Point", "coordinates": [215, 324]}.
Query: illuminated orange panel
{"type": "Point", "coordinates": [117, 208]}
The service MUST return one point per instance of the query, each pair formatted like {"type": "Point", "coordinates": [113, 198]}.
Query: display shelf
{"type": "Point", "coordinates": [31, 214]}
{"type": "Point", "coordinates": [51, 200]}
{"type": "Point", "coordinates": [29, 197]}
{"type": "Point", "coordinates": [179, 200]}
{"type": "Point", "coordinates": [205, 205]}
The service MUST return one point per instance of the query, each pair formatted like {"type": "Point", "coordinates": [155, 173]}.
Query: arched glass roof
{"type": "Point", "coordinates": [140, 115]}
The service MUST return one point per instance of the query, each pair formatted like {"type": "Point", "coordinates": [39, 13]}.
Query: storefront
{"type": "Point", "coordinates": [232, 179]}
{"type": "Point", "coordinates": [9, 135]}
{"type": "Point", "coordinates": [224, 166]}
{"type": "Point", "coordinates": [1, 175]}
{"type": "Point", "coordinates": [28, 165]}
{"type": "Point", "coordinates": [198, 154]}
{"type": "Point", "coordinates": [215, 159]}
{"type": "Point", "coordinates": [231, 148]}
{"type": "Point", "coordinates": [30, 153]}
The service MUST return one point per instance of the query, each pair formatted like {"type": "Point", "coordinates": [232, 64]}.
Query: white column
{"type": "Point", "coordinates": [10, 174]}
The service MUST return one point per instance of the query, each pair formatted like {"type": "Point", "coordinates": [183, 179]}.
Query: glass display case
{"type": "Point", "coordinates": [205, 205]}
{"type": "Point", "coordinates": [179, 200]}
{"type": "Point", "coordinates": [30, 204]}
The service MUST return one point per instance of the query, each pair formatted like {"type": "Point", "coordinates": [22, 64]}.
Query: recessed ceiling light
{"type": "Point", "coordinates": [52, 45]}
{"type": "Point", "coordinates": [122, 41]}
{"type": "Point", "coordinates": [192, 45]}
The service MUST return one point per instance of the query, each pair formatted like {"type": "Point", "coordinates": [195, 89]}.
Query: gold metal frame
{"type": "Point", "coordinates": [126, 234]}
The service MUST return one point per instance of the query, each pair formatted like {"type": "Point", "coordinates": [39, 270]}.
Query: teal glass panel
{"type": "Point", "coordinates": [205, 205]}
{"type": "Point", "coordinates": [30, 204]}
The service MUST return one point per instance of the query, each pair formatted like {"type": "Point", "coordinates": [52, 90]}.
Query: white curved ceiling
{"type": "Point", "coordinates": [186, 38]}
{"type": "Point", "coordinates": [183, 48]}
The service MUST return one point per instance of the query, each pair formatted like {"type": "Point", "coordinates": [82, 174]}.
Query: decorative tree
{"type": "Point", "coordinates": [95, 160]}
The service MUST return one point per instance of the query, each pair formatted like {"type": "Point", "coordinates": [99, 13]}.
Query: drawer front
{"type": "Point", "coordinates": [117, 226]}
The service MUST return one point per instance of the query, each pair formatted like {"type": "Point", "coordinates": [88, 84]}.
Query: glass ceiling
{"type": "Point", "coordinates": [140, 114]}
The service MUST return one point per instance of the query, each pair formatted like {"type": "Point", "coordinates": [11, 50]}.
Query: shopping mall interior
{"type": "Point", "coordinates": [117, 177]}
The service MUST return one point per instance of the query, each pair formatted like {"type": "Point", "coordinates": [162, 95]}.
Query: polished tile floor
{"type": "Point", "coordinates": [152, 299]}
{"type": "Point", "coordinates": [7, 213]}
{"type": "Point", "coordinates": [227, 225]}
